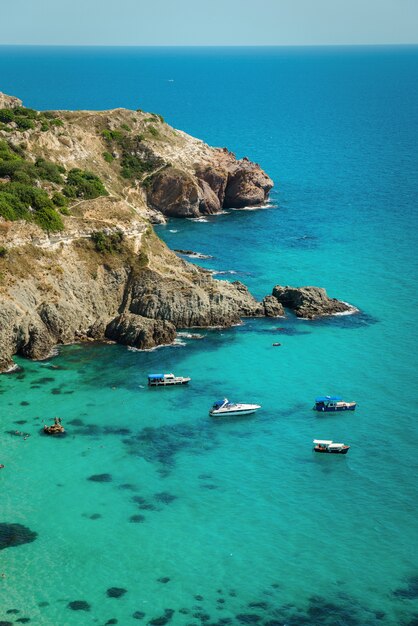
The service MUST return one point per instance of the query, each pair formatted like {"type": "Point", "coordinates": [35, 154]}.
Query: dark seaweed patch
{"type": "Point", "coordinates": [326, 613]}
{"type": "Point", "coordinates": [115, 592]}
{"type": "Point", "coordinates": [20, 422]}
{"type": "Point", "coordinates": [95, 516]}
{"type": "Point", "coordinates": [137, 519]}
{"type": "Point", "coordinates": [76, 422]}
{"type": "Point", "coordinates": [199, 598]}
{"type": "Point", "coordinates": [204, 617]}
{"type": "Point", "coordinates": [139, 500]}
{"type": "Point", "coordinates": [128, 487]}
{"type": "Point", "coordinates": [184, 611]}
{"type": "Point", "coordinates": [24, 403]}
{"type": "Point", "coordinates": [165, 497]}
{"type": "Point", "coordinates": [12, 612]}
{"type": "Point", "coordinates": [6, 623]}
{"type": "Point", "coordinates": [161, 444]}
{"type": "Point", "coordinates": [164, 579]}
{"type": "Point", "coordinates": [205, 476]}
{"type": "Point", "coordinates": [12, 535]}
{"type": "Point", "coordinates": [113, 620]}
{"type": "Point", "coordinates": [138, 615]}
{"type": "Point", "coordinates": [100, 478]}
{"type": "Point", "coordinates": [56, 391]}
{"type": "Point", "coordinates": [248, 618]}
{"type": "Point", "coordinates": [79, 605]}
{"type": "Point", "coordinates": [113, 430]}
{"type": "Point", "coordinates": [88, 430]}
{"type": "Point", "coordinates": [410, 592]}
{"type": "Point", "coordinates": [23, 620]}
{"type": "Point", "coordinates": [210, 487]}
{"type": "Point", "coordinates": [147, 507]}
{"type": "Point", "coordinates": [43, 381]}
{"type": "Point", "coordinates": [258, 605]}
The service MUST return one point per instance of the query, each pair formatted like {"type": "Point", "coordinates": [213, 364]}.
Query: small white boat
{"type": "Point", "coordinates": [224, 408]}
{"type": "Point", "coordinates": [163, 380]}
{"type": "Point", "coordinates": [326, 446]}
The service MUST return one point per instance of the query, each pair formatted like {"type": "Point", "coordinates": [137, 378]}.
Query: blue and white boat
{"type": "Point", "coordinates": [225, 408]}
{"type": "Point", "coordinates": [333, 403]}
{"type": "Point", "coordinates": [164, 380]}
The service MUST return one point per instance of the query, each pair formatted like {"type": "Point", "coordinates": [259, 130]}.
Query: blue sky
{"type": "Point", "coordinates": [209, 22]}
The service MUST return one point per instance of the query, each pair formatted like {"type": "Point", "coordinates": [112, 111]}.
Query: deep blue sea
{"type": "Point", "coordinates": [194, 521]}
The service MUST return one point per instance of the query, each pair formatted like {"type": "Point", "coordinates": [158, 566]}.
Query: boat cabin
{"type": "Point", "coordinates": [156, 380]}
{"type": "Point", "coordinates": [333, 403]}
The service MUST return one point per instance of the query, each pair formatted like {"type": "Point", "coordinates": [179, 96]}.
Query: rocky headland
{"type": "Point", "coordinates": [79, 259]}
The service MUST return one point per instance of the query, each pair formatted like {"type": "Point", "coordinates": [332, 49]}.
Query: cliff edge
{"type": "Point", "coordinates": [79, 259]}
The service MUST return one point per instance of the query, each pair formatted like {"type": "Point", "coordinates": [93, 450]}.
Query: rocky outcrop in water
{"type": "Point", "coordinates": [140, 332]}
{"type": "Point", "coordinates": [227, 183]}
{"type": "Point", "coordinates": [272, 307]}
{"type": "Point", "coordinates": [309, 302]}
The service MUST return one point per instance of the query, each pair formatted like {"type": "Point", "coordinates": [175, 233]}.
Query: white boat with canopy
{"type": "Point", "coordinates": [163, 380]}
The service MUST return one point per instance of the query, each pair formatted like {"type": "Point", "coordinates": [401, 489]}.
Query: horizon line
{"type": "Point", "coordinates": [287, 45]}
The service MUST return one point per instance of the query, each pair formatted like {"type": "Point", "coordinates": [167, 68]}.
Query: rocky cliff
{"type": "Point", "coordinates": [79, 259]}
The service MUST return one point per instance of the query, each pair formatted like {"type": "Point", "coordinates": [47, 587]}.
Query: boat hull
{"type": "Point", "coordinates": [232, 413]}
{"type": "Point", "coordinates": [326, 451]}
{"type": "Point", "coordinates": [333, 409]}
{"type": "Point", "coordinates": [169, 383]}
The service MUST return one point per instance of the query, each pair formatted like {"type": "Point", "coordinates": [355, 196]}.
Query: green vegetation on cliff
{"type": "Point", "coordinates": [107, 242]}
{"type": "Point", "coordinates": [136, 157]}
{"type": "Point", "coordinates": [27, 119]}
{"type": "Point", "coordinates": [83, 184]}
{"type": "Point", "coordinates": [21, 194]}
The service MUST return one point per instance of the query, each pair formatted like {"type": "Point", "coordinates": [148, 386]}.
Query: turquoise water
{"type": "Point", "coordinates": [239, 511]}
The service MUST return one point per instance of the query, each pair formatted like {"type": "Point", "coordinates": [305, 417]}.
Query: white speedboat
{"type": "Point", "coordinates": [224, 408]}
{"type": "Point", "coordinates": [163, 380]}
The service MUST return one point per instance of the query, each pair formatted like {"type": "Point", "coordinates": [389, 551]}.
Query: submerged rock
{"type": "Point", "coordinates": [100, 478]}
{"type": "Point", "coordinates": [79, 605]}
{"type": "Point", "coordinates": [310, 302]}
{"type": "Point", "coordinates": [116, 592]}
{"type": "Point", "coordinates": [12, 535]}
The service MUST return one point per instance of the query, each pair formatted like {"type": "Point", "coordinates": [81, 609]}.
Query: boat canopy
{"type": "Point", "coordinates": [328, 399]}
{"type": "Point", "coordinates": [155, 376]}
{"type": "Point", "coordinates": [219, 403]}
{"type": "Point", "coordinates": [325, 442]}
{"type": "Point", "coordinates": [336, 445]}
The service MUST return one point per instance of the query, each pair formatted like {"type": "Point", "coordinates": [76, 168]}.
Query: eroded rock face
{"type": "Point", "coordinates": [309, 302]}
{"type": "Point", "coordinates": [175, 193]}
{"type": "Point", "coordinates": [248, 185]}
{"type": "Point", "coordinates": [209, 189]}
{"type": "Point", "coordinates": [205, 302]}
{"type": "Point", "coordinates": [272, 307]}
{"type": "Point", "coordinates": [140, 332]}
{"type": "Point", "coordinates": [9, 102]}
